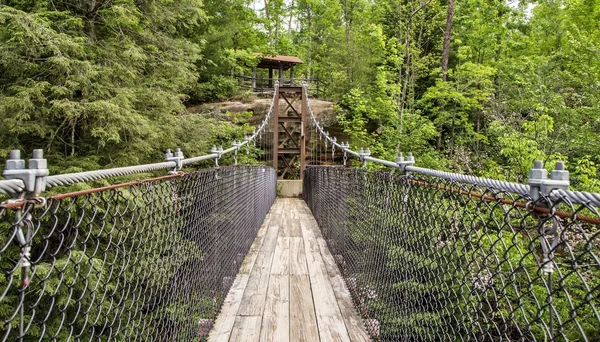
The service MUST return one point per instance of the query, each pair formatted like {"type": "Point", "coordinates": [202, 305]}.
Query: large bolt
{"type": "Point", "coordinates": [15, 162]}
{"type": "Point", "coordinates": [178, 153]}
{"type": "Point", "coordinates": [559, 173]}
{"type": "Point", "coordinates": [399, 158]}
{"type": "Point", "coordinates": [537, 173]}
{"type": "Point", "coordinates": [38, 162]}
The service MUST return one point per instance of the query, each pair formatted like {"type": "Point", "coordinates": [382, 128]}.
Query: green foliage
{"type": "Point", "coordinates": [103, 83]}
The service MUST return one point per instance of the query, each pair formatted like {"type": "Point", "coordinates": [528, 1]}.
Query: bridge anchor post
{"type": "Point", "coordinates": [34, 180]}
{"type": "Point", "coordinates": [549, 226]}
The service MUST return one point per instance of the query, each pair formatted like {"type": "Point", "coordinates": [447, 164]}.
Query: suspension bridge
{"type": "Point", "coordinates": [405, 254]}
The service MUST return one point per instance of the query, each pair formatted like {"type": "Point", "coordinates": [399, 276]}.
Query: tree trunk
{"type": "Point", "coordinates": [348, 25]}
{"type": "Point", "coordinates": [447, 38]}
{"type": "Point", "coordinates": [291, 9]}
{"type": "Point", "coordinates": [269, 28]}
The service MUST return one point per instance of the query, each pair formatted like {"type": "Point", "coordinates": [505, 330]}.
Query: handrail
{"type": "Point", "coordinates": [586, 198]}
{"type": "Point", "coordinates": [15, 186]}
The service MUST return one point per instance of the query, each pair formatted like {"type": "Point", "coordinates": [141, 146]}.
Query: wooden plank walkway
{"type": "Point", "coordinates": [289, 287]}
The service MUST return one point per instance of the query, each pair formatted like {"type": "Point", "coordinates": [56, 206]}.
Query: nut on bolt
{"type": "Point", "coordinates": [559, 173]}
{"type": "Point", "coordinates": [34, 178]}
{"type": "Point", "coordinates": [403, 163]}
{"type": "Point", "coordinates": [15, 162]}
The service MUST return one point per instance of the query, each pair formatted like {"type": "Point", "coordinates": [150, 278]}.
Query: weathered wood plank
{"type": "Point", "coordinates": [246, 329]}
{"type": "Point", "coordinates": [293, 227]}
{"type": "Point", "coordinates": [354, 324]}
{"type": "Point", "coordinates": [332, 329]}
{"type": "Point", "coordinates": [281, 257]}
{"type": "Point", "coordinates": [276, 317]}
{"type": "Point", "coordinates": [285, 227]}
{"type": "Point", "coordinates": [297, 257]}
{"type": "Point", "coordinates": [250, 258]}
{"type": "Point", "coordinates": [225, 322]}
{"type": "Point", "coordinates": [303, 323]}
{"type": "Point", "coordinates": [330, 320]}
{"type": "Point", "coordinates": [292, 289]}
{"type": "Point", "coordinates": [253, 301]}
{"type": "Point", "coordinates": [325, 302]}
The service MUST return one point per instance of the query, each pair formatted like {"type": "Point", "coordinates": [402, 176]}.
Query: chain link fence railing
{"type": "Point", "coordinates": [147, 261]}
{"type": "Point", "coordinates": [432, 259]}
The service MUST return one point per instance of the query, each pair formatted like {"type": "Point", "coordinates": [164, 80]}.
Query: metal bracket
{"type": "Point", "coordinates": [237, 146]}
{"type": "Point", "coordinates": [247, 140]}
{"type": "Point", "coordinates": [177, 158]}
{"type": "Point", "coordinates": [403, 163]}
{"type": "Point", "coordinates": [219, 152]}
{"type": "Point", "coordinates": [345, 147]}
{"type": "Point", "coordinates": [362, 154]}
{"type": "Point", "coordinates": [334, 140]}
{"type": "Point", "coordinates": [34, 178]}
{"type": "Point", "coordinates": [540, 184]}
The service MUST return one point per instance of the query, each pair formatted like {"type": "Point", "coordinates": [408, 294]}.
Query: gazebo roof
{"type": "Point", "coordinates": [274, 61]}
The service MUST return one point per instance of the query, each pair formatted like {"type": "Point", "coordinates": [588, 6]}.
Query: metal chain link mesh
{"type": "Point", "coordinates": [429, 259]}
{"type": "Point", "coordinates": [149, 262]}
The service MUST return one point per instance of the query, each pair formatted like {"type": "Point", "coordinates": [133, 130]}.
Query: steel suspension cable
{"type": "Point", "coordinates": [587, 198]}
{"type": "Point", "coordinates": [13, 186]}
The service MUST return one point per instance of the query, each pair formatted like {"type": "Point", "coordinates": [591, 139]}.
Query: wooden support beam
{"type": "Point", "coordinates": [276, 129]}
{"type": "Point", "coordinates": [290, 104]}
{"type": "Point", "coordinates": [295, 90]}
{"type": "Point", "coordinates": [292, 75]}
{"type": "Point", "coordinates": [304, 116]}
{"type": "Point", "coordinates": [287, 128]}
{"type": "Point", "coordinates": [289, 151]}
{"type": "Point", "coordinates": [270, 77]}
{"type": "Point", "coordinates": [288, 165]}
{"type": "Point", "coordinates": [295, 119]}
{"type": "Point", "coordinates": [287, 138]}
{"type": "Point", "coordinates": [280, 74]}
{"type": "Point", "coordinates": [291, 137]}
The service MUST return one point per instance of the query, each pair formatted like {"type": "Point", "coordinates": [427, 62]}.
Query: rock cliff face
{"type": "Point", "coordinates": [323, 109]}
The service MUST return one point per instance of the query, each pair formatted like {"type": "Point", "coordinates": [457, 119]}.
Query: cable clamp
{"type": "Point", "coordinates": [237, 146]}
{"type": "Point", "coordinates": [218, 152]}
{"type": "Point", "coordinates": [362, 154]}
{"type": "Point", "coordinates": [403, 163]}
{"type": "Point", "coordinates": [177, 158]}
{"type": "Point", "coordinates": [34, 178]}
{"type": "Point", "coordinates": [539, 183]}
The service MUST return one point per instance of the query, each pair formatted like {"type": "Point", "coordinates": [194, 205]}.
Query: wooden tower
{"type": "Point", "coordinates": [289, 152]}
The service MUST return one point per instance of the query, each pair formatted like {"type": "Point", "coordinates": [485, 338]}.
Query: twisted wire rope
{"type": "Point", "coordinates": [591, 199]}
{"type": "Point", "coordinates": [14, 186]}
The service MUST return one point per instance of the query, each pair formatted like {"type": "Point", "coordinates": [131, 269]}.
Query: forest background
{"type": "Point", "coordinates": [481, 87]}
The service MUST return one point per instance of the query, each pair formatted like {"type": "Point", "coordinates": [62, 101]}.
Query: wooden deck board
{"type": "Point", "coordinates": [276, 317]}
{"type": "Point", "coordinates": [303, 323]}
{"type": "Point", "coordinates": [289, 287]}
